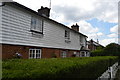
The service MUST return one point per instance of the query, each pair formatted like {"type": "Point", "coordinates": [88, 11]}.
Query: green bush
{"type": "Point", "coordinates": [98, 52]}
{"type": "Point", "coordinates": [111, 49]}
{"type": "Point", "coordinates": [56, 68]}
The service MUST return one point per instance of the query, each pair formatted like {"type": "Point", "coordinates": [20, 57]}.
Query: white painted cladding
{"type": "Point", "coordinates": [0, 23]}
{"type": "Point", "coordinates": [16, 24]}
{"type": "Point", "coordinates": [119, 22]}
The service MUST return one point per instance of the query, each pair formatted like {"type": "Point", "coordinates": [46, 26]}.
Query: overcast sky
{"type": "Point", "coordinates": [98, 19]}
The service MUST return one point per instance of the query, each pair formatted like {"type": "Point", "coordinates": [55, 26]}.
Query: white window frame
{"type": "Point", "coordinates": [63, 54]}
{"type": "Point", "coordinates": [81, 40]}
{"type": "Point", "coordinates": [36, 25]}
{"type": "Point", "coordinates": [77, 54]}
{"type": "Point", "coordinates": [33, 53]}
{"type": "Point", "coordinates": [83, 54]}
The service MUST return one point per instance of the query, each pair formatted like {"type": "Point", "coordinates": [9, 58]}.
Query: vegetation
{"type": "Point", "coordinates": [56, 68]}
{"type": "Point", "coordinates": [111, 49]}
{"type": "Point", "coordinates": [98, 52]}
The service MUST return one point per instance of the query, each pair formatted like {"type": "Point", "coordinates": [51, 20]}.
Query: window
{"type": "Point", "coordinates": [82, 42]}
{"type": "Point", "coordinates": [36, 25]}
{"type": "Point", "coordinates": [63, 54]}
{"type": "Point", "coordinates": [77, 54]}
{"type": "Point", "coordinates": [82, 54]}
{"type": "Point", "coordinates": [34, 53]}
{"type": "Point", "coordinates": [67, 34]}
{"type": "Point", "coordinates": [81, 39]}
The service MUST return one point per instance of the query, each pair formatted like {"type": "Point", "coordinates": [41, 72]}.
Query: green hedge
{"type": "Point", "coordinates": [56, 68]}
{"type": "Point", "coordinates": [99, 52]}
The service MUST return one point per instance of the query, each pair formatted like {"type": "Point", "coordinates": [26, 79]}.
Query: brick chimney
{"type": "Point", "coordinates": [75, 27]}
{"type": "Point", "coordinates": [44, 11]}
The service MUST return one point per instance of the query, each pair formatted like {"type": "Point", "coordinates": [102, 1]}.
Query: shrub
{"type": "Point", "coordinates": [98, 52]}
{"type": "Point", "coordinates": [111, 49]}
{"type": "Point", "coordinates": [56, 68]}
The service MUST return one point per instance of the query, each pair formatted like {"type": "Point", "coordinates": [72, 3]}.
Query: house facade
{"type": "Point", "coordinates": [34, 35]}
{"type": "Point", "coordinates": [92, 45]}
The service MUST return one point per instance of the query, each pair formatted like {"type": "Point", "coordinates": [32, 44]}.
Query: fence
{"type": "Point", "coordinates": [110, 73]}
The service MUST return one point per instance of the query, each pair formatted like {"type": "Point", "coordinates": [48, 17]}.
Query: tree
{"type": "Point", "coordinates": [112, 49]}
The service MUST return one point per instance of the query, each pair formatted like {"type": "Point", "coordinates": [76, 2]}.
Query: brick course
{"type": "Point", "coordinates": [8, 51]}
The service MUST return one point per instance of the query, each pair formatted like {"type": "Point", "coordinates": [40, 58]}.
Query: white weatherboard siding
{"type": "Point", "coordinates": [0, 23]}
{"type": "Point", "coordinates": [119, 22]}
{"type": "Point", "coordinates": [16, 24]}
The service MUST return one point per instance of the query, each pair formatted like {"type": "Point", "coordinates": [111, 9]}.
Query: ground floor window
{"type": "Point", "coordinates": [34, 53]}
{"type": "Point", "coordinates": [82, 54]}
{"type": "Point", "coordinates": [63, 54]}
{"type": "Point", "coordinates": [77, 54]}
{"type": "Point", "coordinates": [88, 54]}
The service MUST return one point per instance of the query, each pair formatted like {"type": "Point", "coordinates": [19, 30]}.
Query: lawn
{"type": "Point", "coordinates": [54, 68]}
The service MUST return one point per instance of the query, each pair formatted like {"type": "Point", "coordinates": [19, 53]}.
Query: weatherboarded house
{"type": "Point", "coordinates": [34, 35]}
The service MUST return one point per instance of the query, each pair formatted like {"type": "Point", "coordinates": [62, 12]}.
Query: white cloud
{"type": "Point", "coordinates": [34, 4]}
{"type": "Point", "coordinates": [76, 10]}
{"type": "Point", "coordinates": [86, 27]}
{"type": "Point", "coordinates": [114, 32]}
{"type": "Point", "coordinates": [113, 35]}
{"type": "Point", "coordinates": [99, 34]}
{"type": "Point", "coordinates": [114, 29]}
{"type": "Point", "coordinates": [95, 36]}
{"type": "Point", "coordinates": [105, 42]}
{"type": "Point", "coordinates": [92, 36]}
{"type": "Point", "coordinates": [112, 38]}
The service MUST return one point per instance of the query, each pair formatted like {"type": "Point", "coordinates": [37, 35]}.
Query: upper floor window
{"type": "Point", "coordinates": [36, 25]}
{"type": "Point", "coordinates": [67, 34]}
{"type": "Point", "coordinates": [81, 39]}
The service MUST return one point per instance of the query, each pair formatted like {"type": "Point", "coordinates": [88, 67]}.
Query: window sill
{"type": "Point", "coordinates": [67, 38]}
{"type": "Point", "coordinates": [36, 31]}
{"type": "Point", "coordinates": [67, 41]}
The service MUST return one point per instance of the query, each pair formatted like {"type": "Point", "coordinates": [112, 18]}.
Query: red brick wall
{"type": "Point", "coordinates": [8, 51]}
{"type": "Point", "coordinates": [0, 51]}
{"type": "Point", "coordinates": [49, 52]}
